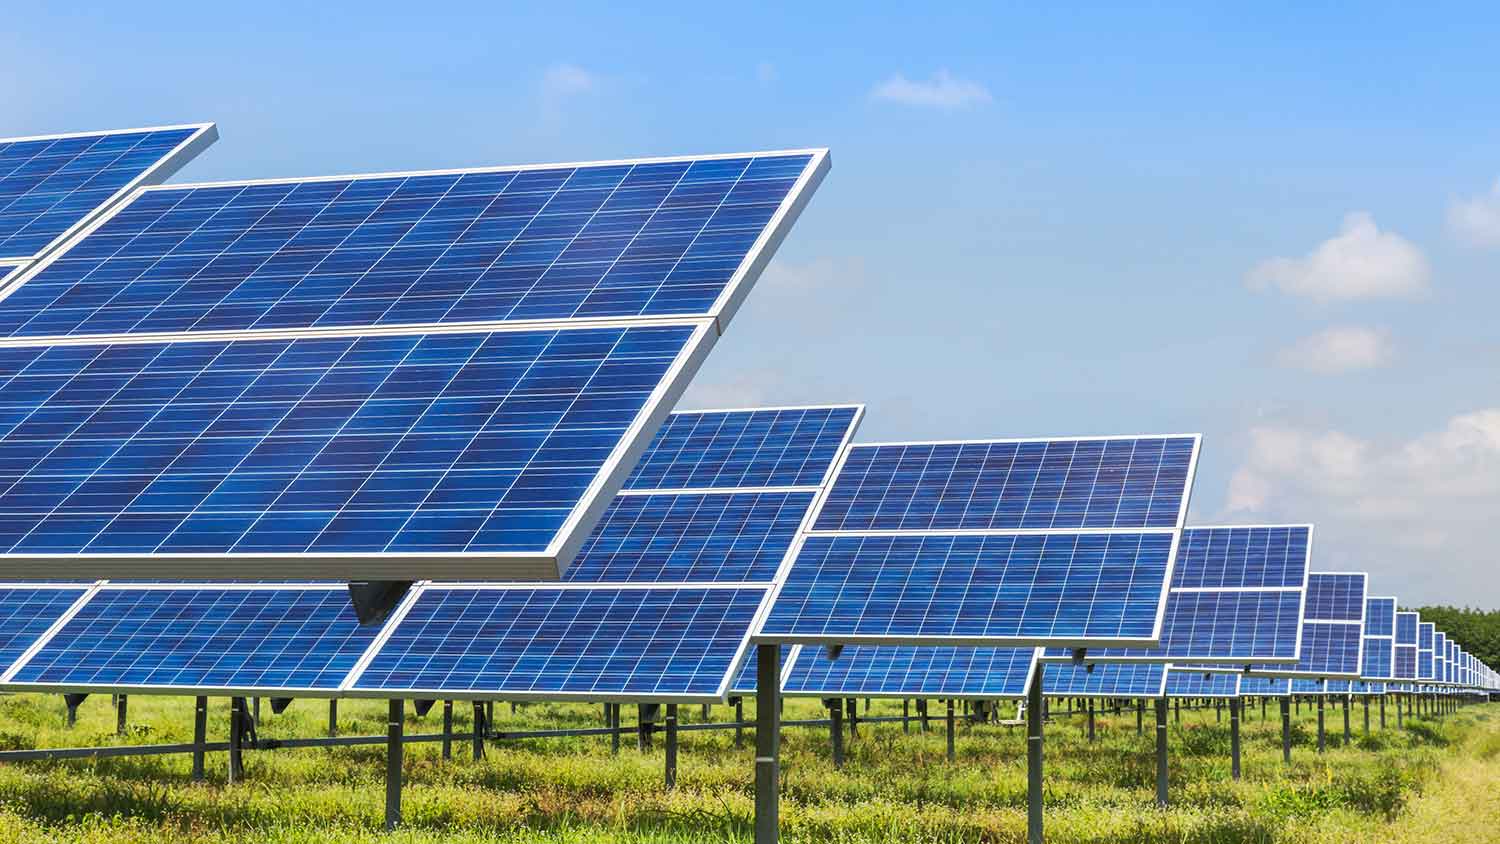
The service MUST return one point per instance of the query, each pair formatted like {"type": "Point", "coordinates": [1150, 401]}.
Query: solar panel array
{"type": "Point", "coordinates": [1380, 639]}
{"type": "Point", "coordinates": [992, 543]}
{"type": "Point", "coordinates": [1106, 679]}
{"type": "Point", "coordinates": [912, 672]}
{"type": "Point", "coordinates": [396, 375]}
{"type": "Point", "coordinates": [1332, 629]}
{"type": "Point", "coordinates": [51, 185]}
{"type": "Point", "coordinates": [1236, 597]}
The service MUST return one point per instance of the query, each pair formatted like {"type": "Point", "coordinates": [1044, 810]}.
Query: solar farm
{"type": "Point", "coordinates": [387, 474]}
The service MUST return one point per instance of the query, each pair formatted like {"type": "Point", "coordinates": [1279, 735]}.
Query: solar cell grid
{"type": "Point", "coordinates": [1378, 658]}
{"type": "Point", "coordinates": [613, 239]}
{"type": "Point", "coordinates": [1265, 686]}
{"type": "Point", "coordinates": [51, 184]}
{"type": "Point", "coordinates": [1106, 680]}
{"type": "Point", "coordinates": [894, 671]}
{"type": "Point", "coordinates": [1261, 556]}
{"type": "Point", "coordinates": [1335, 597]}
{"type": "Point", "coordinates": [1009, 485]}
{"type": "Point", "coordinates": [745, 677]}
{"type": "Point", "coordinates": [1406, 628]}
{"type": "Point", "coordinates": [28, 611]}
{"type": "Point", "coordinates": [773, 447]}
{"type": "Point", "coordinates": [1405, 662]}
{"type": "Point", "coordinates": [1380, 617]}
{"type": "Point", "coordinates": [1185, 683]}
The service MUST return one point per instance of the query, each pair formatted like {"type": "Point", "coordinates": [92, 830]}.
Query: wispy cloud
{"type": "Point", "coordinates": [1339, 349]}
{"type": "Point", "coordinates": [1360, 262]}
{"type": "Point", "coordinates": [943, 91]}
{"type": "Point", "coordinates": [566, 80]}
{"type": "Point", "coordinates": [1476, 221]}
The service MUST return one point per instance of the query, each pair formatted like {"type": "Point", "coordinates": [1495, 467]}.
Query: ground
{"type": "Point", "coordinates": [1433, 781]}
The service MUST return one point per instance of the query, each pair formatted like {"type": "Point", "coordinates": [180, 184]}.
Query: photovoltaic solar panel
{"type": "Point", "coordinates": [668, 237]}
{"type": "Point", "coordinates": [1237, 597]}
{"type": "Point", "coordinates": [1265, 686]}
{"type": "Point", "coordinates": [26, 612]}
{"type": "Point", "coordinates": [1106, 680]}
{"type": "Point", "coordinates": [437, 443]}
{"type": "Point", "coordinates": [50, 185]}
{"type": "Point", "coordinates": [1187, 683]}
{"type": "Point", "coordinates": [1425, 664]}
{"type": "Point", "coordinates": [1380, 639]}
{"type": "Point", "coordinates": [591, 643]}
{"type": "Point", "coordinates": [745, 678]}
{"type": "Point", "coordinates": [1332, 630]}
{"type": "Point", "coordinates": [773, 447]}
{"type": "Point", "coordinates": [262, 639]}
{"type": "Point", "coordinates": [905, 672]}
{"type": "Point", "coordinates": [1440, 656]}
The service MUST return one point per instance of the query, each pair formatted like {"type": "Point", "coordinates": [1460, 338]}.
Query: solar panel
{"type": "Point", "coordinates": [595, 643]}
{"type": "Point", "coordinates": [665, 237]}
{"type": "Point", "coordinates": [1368, 688]}
{"type": "Point", "coordinates": [744, 682]}
{"type": "Point", "coordinates": [1236, 597]}
{"type": "Point", "coordinates": [1320, 687]}
{"type": "Point", "coordinates": [1251, 685]}
{"type": "Point", "coordinates": [1380, 639]}
{"type": "Point", "coordinates": [302, 639]}
{"type": "Point", "coordinates": [737, 449]}
{"type": "Point", "coordinates": [1425, 663]}
{"type": "Point", "coordinates": [906, 672]}
{"type": "Point", "coordinates": [475, 443]}
{"type": "Point", "coordinates": [1106, 680]}
{"type": "Point", "coordinates": [28, 611]}
{"type": "Point", "coordinates": [1332, 629]}
{"type": "Point", "coordinates": [1188, 683]}
{"type": "Point", "coordinates": [1440, 656]}
{"type": "Point", "coordinates": [52, 185]}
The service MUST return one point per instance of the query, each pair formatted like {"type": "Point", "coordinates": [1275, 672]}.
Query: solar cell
{"type": "Point", "coordinates": [1188, 683]}
{"type": "Point", "coordinates": [229, 637]}
{"type": "Point", "coordinates": [1332, 630]}
{"type": "Point", "coordinates": [51, 185]}
{"type": "Point", "coordinates": [26, 612]}
{"type": "Point", "coordinates": [661, 237]}
{"type": "Point", "coordinates": [1106, 680]}
{"type": "Point", "coordinates": [906, 672]}
{"type": "Point", "coordinates": [730, 449]}
{"type": "Point", "coordinates": [594, 643]}
{"type": "Point", "coordinates": [482, 446]}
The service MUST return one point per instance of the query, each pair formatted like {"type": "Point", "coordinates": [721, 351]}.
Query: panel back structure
{"type": "Point", "coordinates": [403, 376]}
{"type": "Point", "coordinates": [1332, 630]}
{"type": "Point", "coordinates": [1380, 639]}
{"type": "Point", "coordinates": [1139, 679]}
{"type": "Point", "coordinates": [1405, 662]}
{"type": "Point", "coordinates": [996, 543]}
{"type": "Point", "coordinates": [53, 185]}
{"type": "Point", "coordinates": [1236, 598]}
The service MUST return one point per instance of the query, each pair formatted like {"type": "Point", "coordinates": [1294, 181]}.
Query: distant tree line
{"type": "Point", "coordinates": [1476, 631]}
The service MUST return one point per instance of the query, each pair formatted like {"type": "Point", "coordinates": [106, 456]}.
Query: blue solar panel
{"type": "Point", "coordinates": [579, 643]}
{"type": "Point", "coordinates": [996, 589]}
{"type": "Point", "coordinates": [1380, 617]}
{"type": "Point", "coordinates": [1244, 557]}
{"type": "Point", "coordinates": [1335, 597]}
{"type": "Point", "coordinates": [1440, 656]}
{"type": "Point", "coordinates": [746, 678]}
{"type": "Point", "coordinates": [1377, 659]}
{"type": "Point", "coordinates": [558, 242]}
{"type": "Point", "coordinates": [1265, 686]}
{"type": "Point", "coordinates": [1425, 633]}
{"type": "Point", "coordinates": [1182, 683]}
{"type": "Point", "coordinates": [1364, 687]}
{"type": "Point", "coordinates": [179, 637]}
{"type": "Point", "coordinates": [895, 671]}
{"type": "Point", "coordinates": [439, 442]}
{"type": "Point", "coordinates": [1406, 628]}
{"type": "Point", "coordinates": [1332, 629]}
{"type": "Point", "coordinates": [49, 185]}
{"type": "Point", "coordinates": [1405, 661]}
{"type": "Point", "coordinates": [737, 537]}
{"type": "Point", "coordinates": [1105, 680]}
{"type": "Point", "coordinates": [1380, 631]}
{"type": "Point", "coordinates": [1004, 485]}
{"type": "Point", "coordinates": [1426, 666]}
{"type": "Point", "coordinates": [779, 447]}
{"type": "Point", "coordinates": [26, 613]}
{"type": "Point", "coordinates": [1320, 687]}
{"type": "Point", "coordinates": [1327, 649]}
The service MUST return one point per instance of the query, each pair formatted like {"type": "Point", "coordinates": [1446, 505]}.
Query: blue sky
{"type": "Point", "coordinates": [1277, 226]}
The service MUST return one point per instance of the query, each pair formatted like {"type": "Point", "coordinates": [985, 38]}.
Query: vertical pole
{"type": "Point", "coordinates": [447, 730]}
{"type": "Point", "coordinates": [705, 712]}
{"type": "Point", "coordinates": [836, 730]}
{"type": "Point", "coordinates": [614, 728]}
{"type": "Point", "coordinates": [739, 718]}
{"type": "Point", "coordinates": [1348, 736]}
{"type": "Point", "coordinates": [1286, 731]}
{"type": "Point", "coordinates": [852, 707]}
{"type": "Point", "coordinates": [1262, 709]}
{"type": "Point", "coordinates": [333, 717]}
{"type": "Point", "coordinates": [951, 726]}
{"type": "Point", "coordinates": [1234, 737]}
{"type": "Point", "coordinates": [643, 720]}
{"type": "Point", "coordinates": [1034, 707]}
{"type": "Point", "coordinates": [767, 743]}
{"type": "Point", "coordinates": [255, 710]}
{"type": "Point", "coordinates": [671, 746]}
{"type": "Point", "coordinates": [393, 747]}
{"type": "Point", "coordinates": [905, 716]}
{"type": "Point", "coordinates": [1218, 711]}
{"type": "Point", "coordinates": [1091, 720]}
{"type": "Point", "coordinates": [1382, 712]}
{"type": "Point", "coordinates": [200, 736]}
{"type": "Point", "coordinates": [1140, 715]}
{"type": "Point", "coordinates": [1399, 723]}
{"type": "Point", "coordinates": [1322, 739]}
{"type": "Point", "coordinates": [1161, 752]}
{"type": "Point", "coordinates": [120, 706]}
{"type": "Point", "coordinates": [236, 735]}
{"type": "Point", "coordinates": [922, 711]}
{"type": "Point", "coordinates": [480, 728]}
{"type": "Point", "coordinates": [1176, 710]}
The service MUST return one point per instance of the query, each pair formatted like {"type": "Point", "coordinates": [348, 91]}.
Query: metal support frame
{"type": "Point", "coordinates": [1161, 752]}
{"type": "Point", "coordinates": [952, 729]}
{"type": "Point", "coordinates": [200, 736]}
{"type": "Point", "coordinates": [767, 743]}
{"type": "Point", "coordinates": [1034, 715]}
{"type": "Point", "coordinates": [1382, 712]}
{"type": "Point", "coordinates": [447, 730]}
{"type": "Point", "coordinates": [1234, 737]}
{"type": "Point", "coordinates": [851, 706]}
{"type": "Point", "coordinates": [922, 713]}
{"type": "Point", "coordinates": [1322, 737]}
{"type": "Point", "coordinates": [1348, 736]}
{"type": "Point", "coordinates": [121, 706]}
{"type": "Point", "coordinates": [1091, 720]}
{"type": "Point", "coordinates": [1140, 716]}
{"type": "Point", "coordinates": [71, 701]}
{"type": "Point", "coordinates": [836, 730]}
{"type": "Point", "coordinates": [1176, 711]}
{"type": "Point", "coordinates": [1366, 701]}
{"type": "Point", "coordinates": [905, 716]}
{"type": "Point", "coordinates": [739, 718]}
{"type": "Point", "coordinates": [481, 725]}
{"type": "Point", "coordinates": [236, 739]}
{"type": "Point", "coordinates": [393, 758]}
{"type": "Point", "coordinates": [671, 772]}
{"type": "Point", "coordinates": [333, 717]}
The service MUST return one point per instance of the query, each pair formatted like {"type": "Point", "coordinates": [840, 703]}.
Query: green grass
{"type": "Point", "coordinates": [894, 786]}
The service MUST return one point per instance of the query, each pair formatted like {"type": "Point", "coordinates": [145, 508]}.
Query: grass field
{"type": "Point", "coordinates": [1434, 781]}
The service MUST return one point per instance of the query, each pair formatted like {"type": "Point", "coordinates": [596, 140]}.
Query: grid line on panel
{"type": "Point", "coordinates": [662, 238]}
{"type": "Point", "coordinates": [479, 441]}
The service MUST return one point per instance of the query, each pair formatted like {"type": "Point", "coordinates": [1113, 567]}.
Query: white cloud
{"type": "Point", "coordinates": [1476, 221]}
{"type": "Point", "coordinates": [1339, 349]}
{"type": "Point", "coordinates": [1360, 262]}
{"type": "Point", "coordinates": [1418, 513]}
{"type": "Point", "coordinates": [943, 90]}
{"type": "Point", "coordinates": [564, 80]}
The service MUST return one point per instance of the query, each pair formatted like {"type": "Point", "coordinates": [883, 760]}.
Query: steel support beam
{"type": "Point", "coordinates": [1234, 737]}
{"type": "Point", "coordinates": [767, 743]}
{"type": "Point", "coordinates": [200, 736]}
{"type": "Point", "coordinates": [1034, 714]}
{"type": "Point", "coordinates": [1161, 752]}
{"type": "Point", "coordinates": [671, 773]}
{"type": "Point", "coordinates": [393, 753]}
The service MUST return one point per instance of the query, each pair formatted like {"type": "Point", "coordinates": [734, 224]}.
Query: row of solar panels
{"type": "Point", "coordinates": [448, 375]}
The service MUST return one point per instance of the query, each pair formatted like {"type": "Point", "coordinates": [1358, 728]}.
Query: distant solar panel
{"type": "Point", "coordinates": [51, 185]}
{"type": "Point", "coordinates": [486, 444]}
{"type": "Point", "coordinates": [1380, 639]}
{"type": "Point", "coordinates": [1188, 683]}
{"type": "Point", "coordinates": [1320, 687]}
{"type": "Point", "coordinates": [664, 237]}
{"type": "Point", "coordinates": [1236, 597]}
{"type": "Point", "coordinates": [1440, 656]}
{"type": "Point", "coordinates": [1251, 685]}
{"type": "Point", "coordinates": [736, 449]}
{"type": "Point", "coordinates": [231, 637]}
{"type": "Point", "coordinates": [1106, 680]}
{"type": "Point", "coordinates": [906, 672]}
{"type": "Point", "coordinates": [592, 643]}
{"type": "Point", "coordinates": [27, 612]}
{"type": "Point", "coordinates": [1332, 630]}
{"type": "Point", "coordinates": [1425, 664]}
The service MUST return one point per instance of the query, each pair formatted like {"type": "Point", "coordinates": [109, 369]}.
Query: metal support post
{"type": "Point", "coordinates": [481, 726]}
{"type": "Point", "coordinates": [1234, 737]}
{"type": "Point", "coordinates": [739, 718]}
{"type": "Point", "coordinates": [1140, 715]}
{"type": "Point", "coordinates": [836, 730]}
{"type": "Point", "coordinates": [1286, 731]}
{"type": "Point", "coordinates": [671, 746]}
{"type": "Point", "coordinates": [851, 706]}
{"type": "Point", "coordinates": [1161, 752]}
{"type": "Point", "coordinates": [1034, 707]}
{"type": "Point", "coordinates": [200, 736]}
{"type": "Point", "coordinates": [393, 749]}
{"type": "Point", "coordinates": [1091, 720]}
{"type": "Point", "coordinates": [767, 743]}
{"type": "Point", "coordinates": [952, 726]}
{"type": "Point", "coordinates": [120, 707]}
{"type": "Point", "coordinates": [1322, 739]}
{"type": "Point", "coordinates": [447, 730]}
{"type": "Point", "coordinates": [1348, 736]}
{"type": "Point", "coordinates": [236, 738]}
{"type": "Point", "coordinates": [333, 718]}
